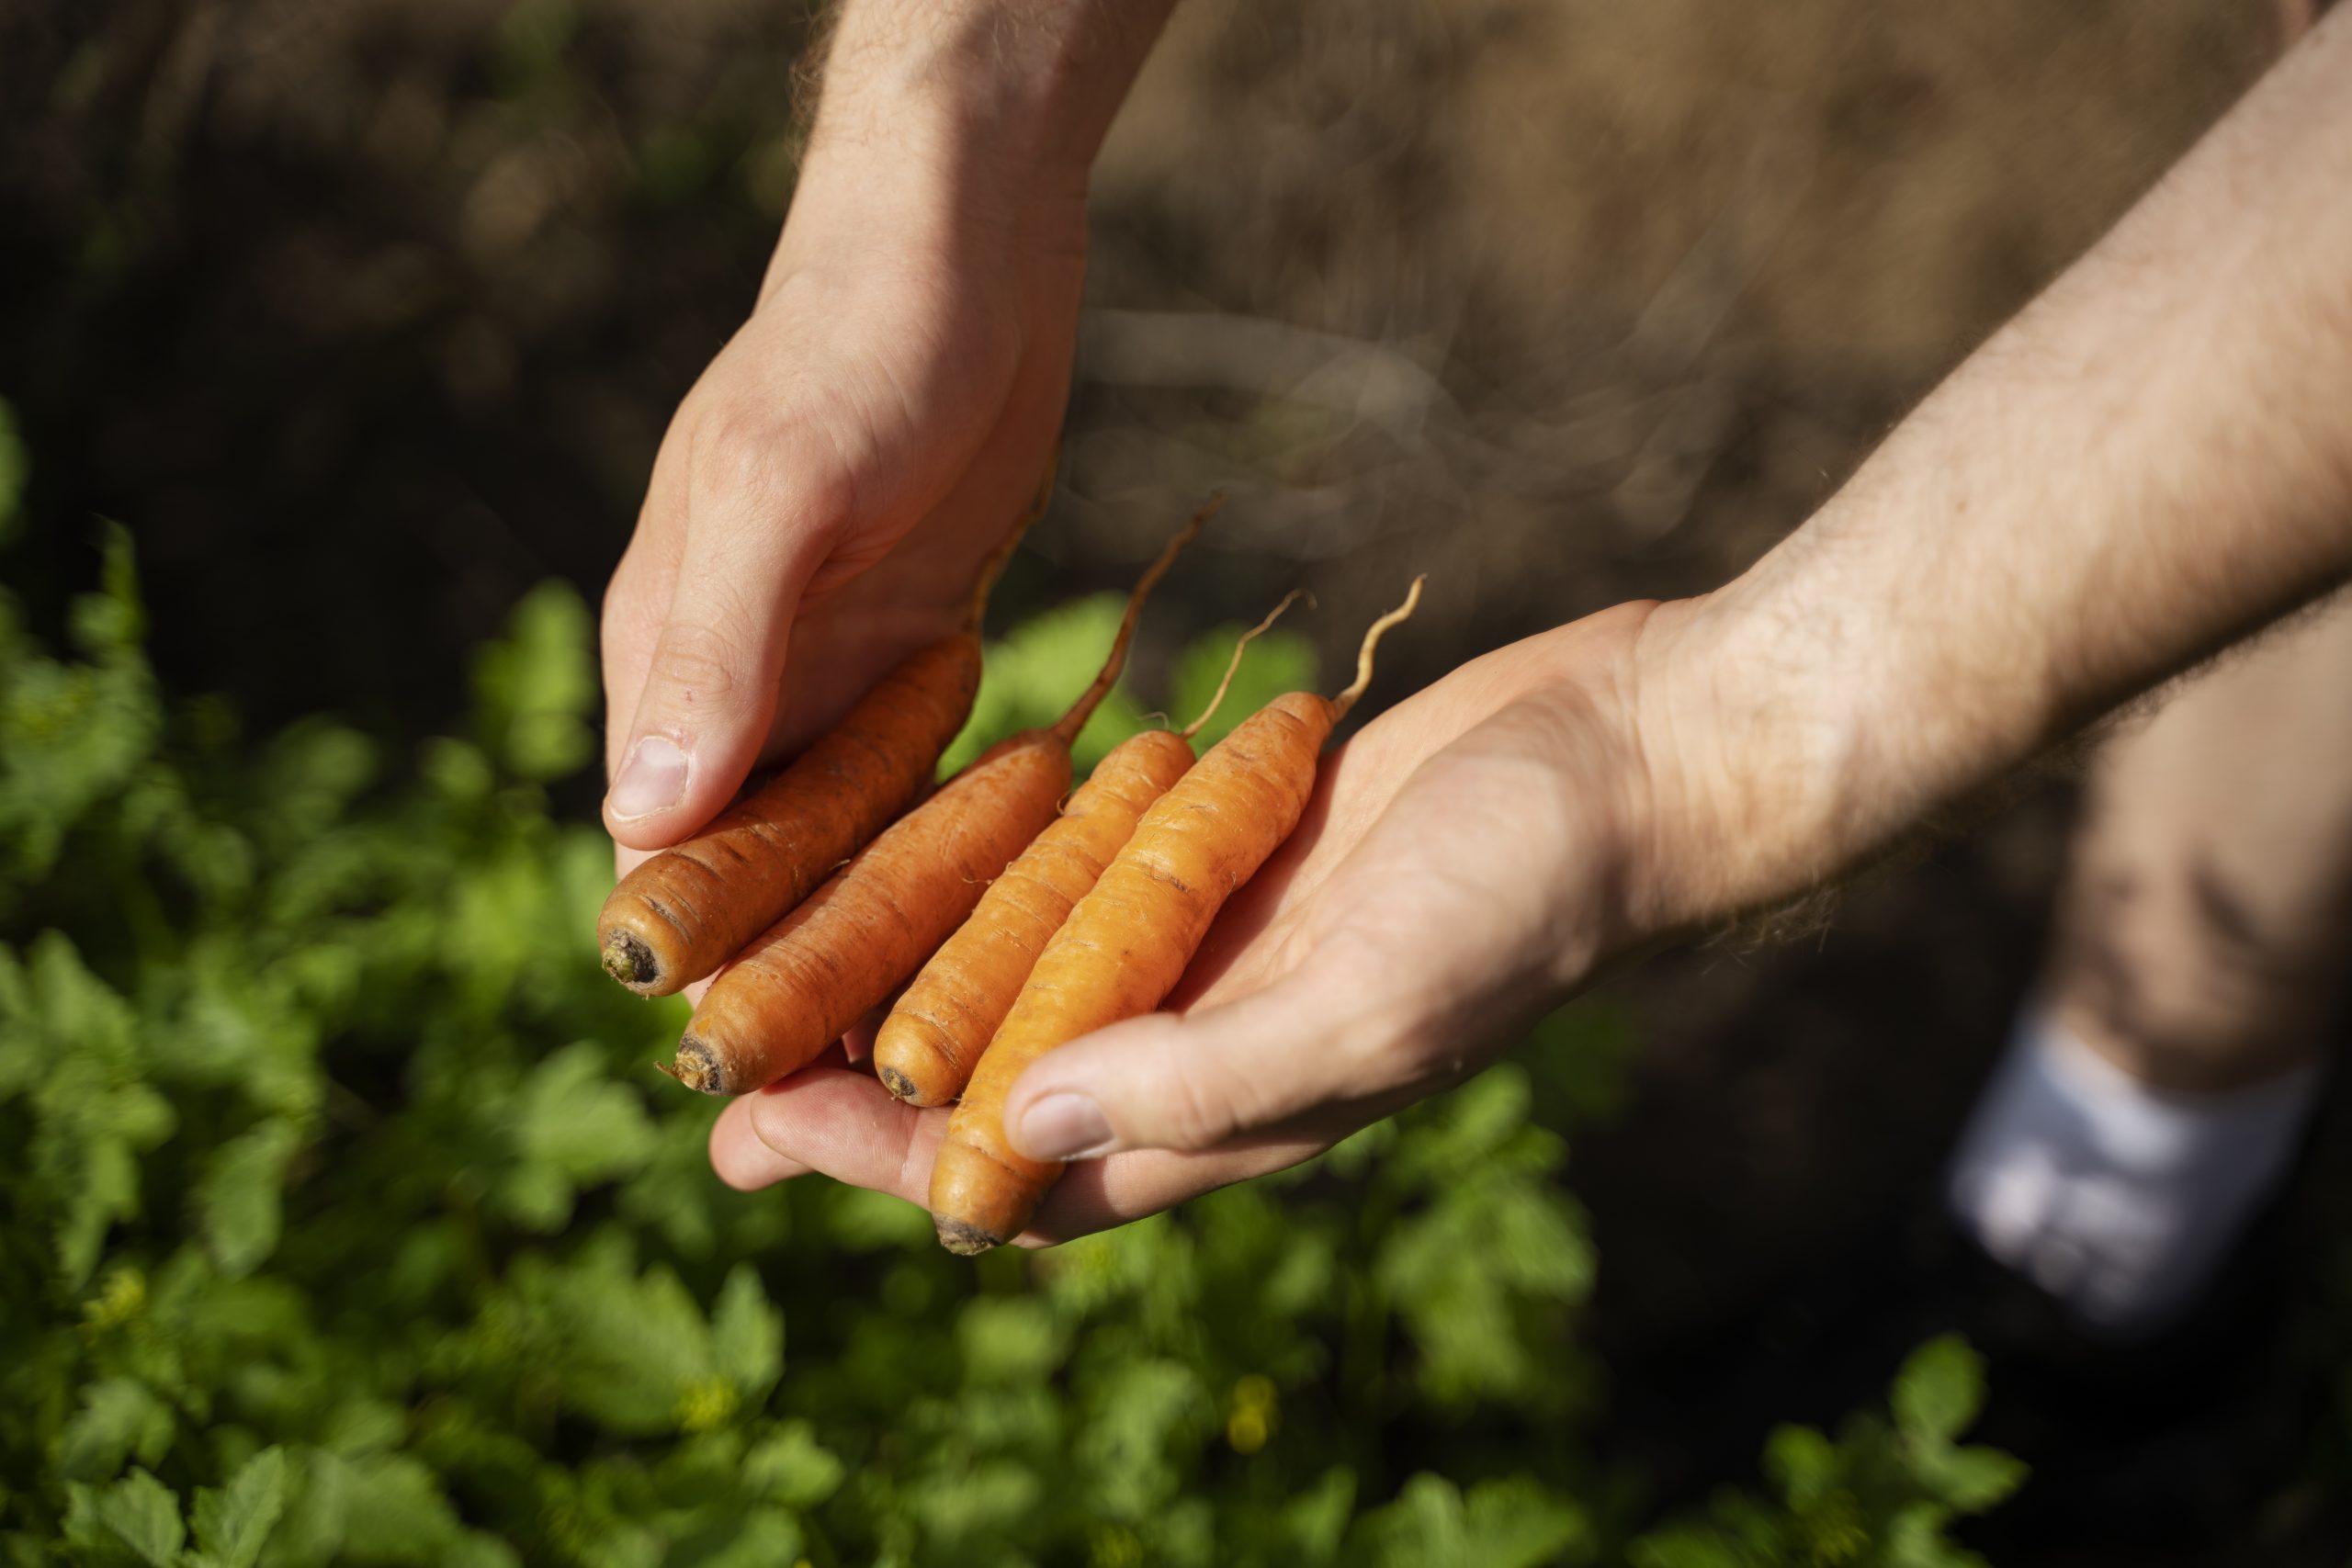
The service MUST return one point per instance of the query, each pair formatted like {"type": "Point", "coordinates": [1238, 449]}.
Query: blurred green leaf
{"type": "Point", "coordinates": [234, 1521]}
{"type": "Point", "coordinates": [1802, 1462]}
{"type": "Point", "coordinates": [1008, 1339]}
{"type": "Point", "coordinates": [1278, 661]}
{"type": "Point", "coordinates": [1877, 1497]}
{"type": "Point", "coordinates": [74, 736]}
{"type": "Point", "coordinates": [1501, 1524]}
{"type": "Point", "coordinates": [95, 1116]}
{"type": "Point", "coordinates": [747, 1336]}
{"type": "Point", "coordinates": [136, 1519]}
{"type": "Point", "coordinates": [1939, 1390]}
{"type": "Point", "coordinates": [1030, 678]}
{"type": "Point", "coordinates": [1972, 1479]}
{"type": "Point", "coordinates": [394, 1510]}
{"type": "Point", "coordinates": [120, 1418]}
{"type": "Point", "coordinates": [574, 1128]}
{"type": "Point", "coordinates": [238, 1200]}
{"type": "Point", "coordinates": [536, 687]}
{"type": "Point", "coordinates": [792, 1467]}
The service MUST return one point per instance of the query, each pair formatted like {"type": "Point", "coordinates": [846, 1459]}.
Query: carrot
{"type": "Point", "coordinates": [1128, 942]}
{"type": "Point", "coordinates": [925, 1049]}
{"type": "Point", "coordinates": [683, 913]}
{"type": "Point", "coordinates": [824, 966]}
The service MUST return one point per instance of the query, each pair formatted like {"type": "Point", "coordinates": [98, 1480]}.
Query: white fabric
{"type": "Point", "coordinates": [2121, 1200]}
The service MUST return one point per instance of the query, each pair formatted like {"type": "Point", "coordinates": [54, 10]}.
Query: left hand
{"type": "Point", "coordinates": [1464, 865]}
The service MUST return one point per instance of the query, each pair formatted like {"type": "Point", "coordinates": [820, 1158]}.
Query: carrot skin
{"type": "Point", "coordinates": [681, 914]}
{"type": "Point", "coordinates": [926, 1048]}
{"type": "Point", "coordinates": [798, 987]}
{"type": "Point", "coordinates": [814, 972]}
{"type": "Point", "coordinates": [1124, 946]}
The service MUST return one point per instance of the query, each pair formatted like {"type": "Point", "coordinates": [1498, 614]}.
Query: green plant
{"type": "Point", "coordinates": [1877, 1497]}
{"type": "Point", "coordinates": [349, 1223]}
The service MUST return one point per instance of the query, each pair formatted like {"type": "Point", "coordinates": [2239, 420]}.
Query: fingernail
{"type": "Point", "coordinates": [654, 779]}
{"type": "Point", "coordinates": [1065, 1126]}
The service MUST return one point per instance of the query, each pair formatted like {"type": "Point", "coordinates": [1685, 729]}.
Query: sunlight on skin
{"type": "Point", "coordinates": [1376, 838]}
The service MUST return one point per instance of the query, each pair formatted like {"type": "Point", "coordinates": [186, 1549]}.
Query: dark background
{"type": "Point", "coordinates": [367, 317]}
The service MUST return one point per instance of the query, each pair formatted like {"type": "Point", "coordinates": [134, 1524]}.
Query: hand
{"type": "Point", "coordinates": [822, 500]}
{"type": "Point", "coordinates": [1464, 865]}
{"type": "Point", "coordinates": [2035, 542]}
{"type": "Point", "coordinates": [823, 497]}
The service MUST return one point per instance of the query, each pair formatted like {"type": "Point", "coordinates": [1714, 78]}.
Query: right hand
{"type": "Point", "coordinates": [828, 487]}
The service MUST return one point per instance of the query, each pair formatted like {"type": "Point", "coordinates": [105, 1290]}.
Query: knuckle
{"type": "Point", "coordinates": [696, 665]}
{"type": "Point", "coordinates": [1207, 1103]}
{"type": "Point", "coordinates": [736, 448]}
{"type": "Point", "coordinates": [783, 463]}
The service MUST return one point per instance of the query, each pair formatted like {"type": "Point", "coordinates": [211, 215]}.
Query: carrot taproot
{"type": "Point", "coordinates": [796, 988]}
{"type": "Point", "coordinates": [683, 913]}
{"type": "Point", "coordinates": [1128, 942]}
{"type": "Point", "coordinates": [925, 1049]}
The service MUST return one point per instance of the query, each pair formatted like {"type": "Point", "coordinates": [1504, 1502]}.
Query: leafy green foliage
{"type": "Point", "coordinates": [349, 1223]}
{"type": "Point", "coordinates": [1877, 1497]}
{"type": "Point", "coordinates": [1033, 675]}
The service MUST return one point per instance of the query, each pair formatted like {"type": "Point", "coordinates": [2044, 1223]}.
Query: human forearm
{"type": "Point", "coordinates": [831, 485]}
{"type": "Point", "coordinates": [1036, 78]}
{"type": "Point", "coordinates": [944, 114]}
{"type": "Point", "coordinates": [2151, 460]}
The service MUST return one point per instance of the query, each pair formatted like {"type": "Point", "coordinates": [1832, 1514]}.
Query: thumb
{"type": "Point", "coordinates": [712, 684]}
{"type": "Point", "coordinates": [1189, 1082]}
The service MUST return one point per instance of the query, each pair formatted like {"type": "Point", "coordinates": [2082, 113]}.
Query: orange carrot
{"type": "Point", "coordinates": [1128, 942]}
{"type": "Point", "coordinates": [686, 911]}
{"type": "Point", "coordinates": [823, 966]}
{"type": "Point", "coordinates": [926, 1048]}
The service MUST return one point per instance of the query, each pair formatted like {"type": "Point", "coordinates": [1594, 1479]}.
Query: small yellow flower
{"type": "Point", "coordinates": [1254, 1413]}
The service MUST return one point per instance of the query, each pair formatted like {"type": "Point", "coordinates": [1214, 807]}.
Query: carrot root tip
{"type": "Point", "coordinates": [629, 961]}
{"type": "Point", "coordinates": [698, 1068]}
{"type": "Point", "coordinates": [964, 1240]}
{"type": "Point", "coordinates": [904, 1054]}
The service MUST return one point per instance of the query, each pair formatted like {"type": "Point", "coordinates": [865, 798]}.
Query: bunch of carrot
{"type": "Point", "coordinates": [1023, 922]}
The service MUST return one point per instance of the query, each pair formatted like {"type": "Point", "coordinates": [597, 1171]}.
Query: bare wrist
{"type": "Point", "coordinates": [1748, 745]}
{"type": "Point", "coordinates": [959, 133]}
{"type": "Point", "coordinates": [1017, 90]}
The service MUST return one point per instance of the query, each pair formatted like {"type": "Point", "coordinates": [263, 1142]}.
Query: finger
{"type": "Point", "coordinates": [1094, 1195]}
{"type": "Point", "coordinates": [740, 1159]}
{"type": "Point", "coordinates": [1194, 1081]}
{"type": "Point", "coordinates": [767, 503]}
{"type": "Point", "coordinates": [844, 1124]}
{"type": "Point", "coordinates": [637, 600]}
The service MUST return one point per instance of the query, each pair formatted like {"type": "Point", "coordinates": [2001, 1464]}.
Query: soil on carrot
{"type": "Point", "coordinates": [373, 315]}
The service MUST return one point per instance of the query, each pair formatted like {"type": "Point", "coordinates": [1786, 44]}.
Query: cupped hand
{"type": "Point", "coordinates": [1465, 863]}
{"type": "Point", "coordinates": [828, 488]}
